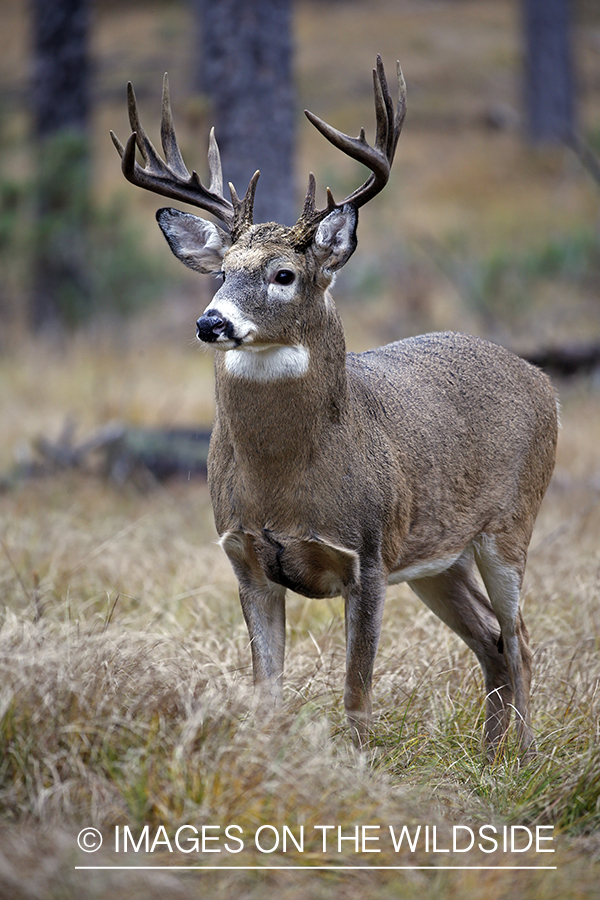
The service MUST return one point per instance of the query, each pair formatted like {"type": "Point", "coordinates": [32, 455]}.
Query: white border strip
{"type": "Point", "coordinates": [322, 868]}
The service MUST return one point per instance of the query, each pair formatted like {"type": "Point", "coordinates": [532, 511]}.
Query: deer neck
{"type": "Point", "coordinates": [277, 404]}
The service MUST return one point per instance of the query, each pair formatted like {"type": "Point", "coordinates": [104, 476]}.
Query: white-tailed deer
{"type": "Point", "coordinates": [334, 473]}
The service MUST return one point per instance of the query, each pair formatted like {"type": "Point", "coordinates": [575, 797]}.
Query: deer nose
{"type": "Point", "coordinates": [210, 326]}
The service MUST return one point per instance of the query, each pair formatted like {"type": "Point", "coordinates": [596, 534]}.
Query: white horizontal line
{"type": "Point", "coordinates": [327, 868]}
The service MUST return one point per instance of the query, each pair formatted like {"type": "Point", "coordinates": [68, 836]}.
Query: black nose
{"type": "Point", "coordinates": [210, 326]}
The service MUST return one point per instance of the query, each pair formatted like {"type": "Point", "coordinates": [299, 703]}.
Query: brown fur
{"type": "Point", "coordinates": [440, 446]}
{"type": "Point", "coordinates": [332, 473]}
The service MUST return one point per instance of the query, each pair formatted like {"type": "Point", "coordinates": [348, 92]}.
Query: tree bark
{"type": "Point", "coordinates": [60, 112]}
{"type": "Point", "coordinates": [61, 68]}
{"type": "Point", "coordinates": [245, 67]}
{"type": "Point", "coordinates": [548, 78]}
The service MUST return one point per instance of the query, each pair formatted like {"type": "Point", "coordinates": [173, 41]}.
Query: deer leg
{"type": "Point", "coordinates": [456, 599]}
{"type": "Point", "coordinates": [363, 615]}
{"type": "Point", "coordinates": [263, 606]}
{"type": "Point", "coordinates": [264, 612]}
{"type": "Point", "coordinates": [503, 584]}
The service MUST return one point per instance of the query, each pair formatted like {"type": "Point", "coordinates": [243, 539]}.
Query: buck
{"type": "Point", "coordinates": [335, 473]}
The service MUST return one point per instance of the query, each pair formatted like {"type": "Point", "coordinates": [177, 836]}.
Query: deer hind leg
{"type": "Point", "coordinates": [503, 581]}
{"type": "Point", "coordinates": [363, 615]}
{"type": "Point", "coordinates": [454, 596]}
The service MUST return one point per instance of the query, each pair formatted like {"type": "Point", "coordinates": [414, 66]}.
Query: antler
{"type": "Point", "coordinates": [378, 158]}
{"type": "Point", "coordinates": [170, 176]}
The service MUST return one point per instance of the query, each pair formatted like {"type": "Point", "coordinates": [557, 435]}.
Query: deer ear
{"type": "Point", "coordinates": [335, 240]}
{"type": "Point", "coordinates": [199, 244]}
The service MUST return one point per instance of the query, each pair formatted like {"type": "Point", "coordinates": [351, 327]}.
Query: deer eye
{"type": "Point", "coordinates": [284, 276]}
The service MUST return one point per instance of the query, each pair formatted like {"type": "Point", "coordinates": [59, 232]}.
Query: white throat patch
{"type": "Point", "coordinates": [267, 363]}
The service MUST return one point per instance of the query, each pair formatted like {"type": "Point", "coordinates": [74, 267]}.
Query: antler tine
{"type": "Point", "coordinates": [384, 110]}
{"type": "Point", "coordinates": [214, 165]}
{"type": "Point", "coordinates": [117, 143]}
{"type": "Point", "coordinates": [168, 139]}
{"type": "Point", "coordinates": [170, 177]}
{"type": "Point", "coordinates": [143, 142]}
{"type": "Point", "coordinates": [310, 207]}
{"type": "Point", "coordinates": [243, 209]}
{"type": "Point", "coordinates": [399, 114]}
{"type": "Point", "coordinates": [378, 158]}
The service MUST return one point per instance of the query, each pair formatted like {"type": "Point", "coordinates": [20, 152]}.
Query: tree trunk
{"type": "Point", "coordinates": [60, 112]}
{"type": "Point", "coordinates": [245, 67]}
{"type": "Point", "coordinates": [61, 70]}
{"type": "Point", "coordinates": [549, 81]}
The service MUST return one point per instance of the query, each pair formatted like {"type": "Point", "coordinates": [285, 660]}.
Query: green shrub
{"type": "Point", "coordinates": [68, 257]}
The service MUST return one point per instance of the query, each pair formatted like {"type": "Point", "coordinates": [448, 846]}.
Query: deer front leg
{"type": "Point", "coordinates": [264, 612]}
{"type": "Point", "coordinates": [364, 612]}
{"type": "Point", "coordinates": [263, 606]}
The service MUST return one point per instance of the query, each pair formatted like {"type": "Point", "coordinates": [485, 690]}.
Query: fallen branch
{"type": "Point", "coordinates": [120, 453]}
{"type": "Point", "coordinates": [566, 361]}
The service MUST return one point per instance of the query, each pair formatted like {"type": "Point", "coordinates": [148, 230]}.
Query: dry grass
{"type": "Point", "coordinates": [124, 696]}
{"type": "Point", "coordinates": [125, 701]}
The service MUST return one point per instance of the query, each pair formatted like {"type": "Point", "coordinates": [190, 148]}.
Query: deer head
{"type": "Point", "coordinates": [277, 260]}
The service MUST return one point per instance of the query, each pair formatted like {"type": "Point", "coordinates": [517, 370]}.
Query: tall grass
{"type": "Point", "coordinates": [125, 700]}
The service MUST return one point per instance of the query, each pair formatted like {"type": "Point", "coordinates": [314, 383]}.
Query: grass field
{"type": "Point", "coordinates": [125, 694]}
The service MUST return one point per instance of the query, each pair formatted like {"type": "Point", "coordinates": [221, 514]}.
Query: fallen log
{"type": "Point", "coordinates": [122, 453]}
{"type": "Point", "coordinates": [172, 453]}
{"type": "Point", "coordinates": [568, 360]}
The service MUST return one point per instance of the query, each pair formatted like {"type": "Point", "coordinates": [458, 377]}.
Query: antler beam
{"type": "Point", "coordinates": [170, 177]}
{"type": "Point", "coordinates": [378, 159]}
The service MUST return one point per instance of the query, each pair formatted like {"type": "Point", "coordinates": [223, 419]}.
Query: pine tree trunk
{"type": "Point", "coordinates": [61, 70]}
{"type": "Point", "coordinates": [549, 83]}
{"type": "Point", "coordinates": [60, 112]}
{"type": "Point", "coordinates": [245, 67]}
